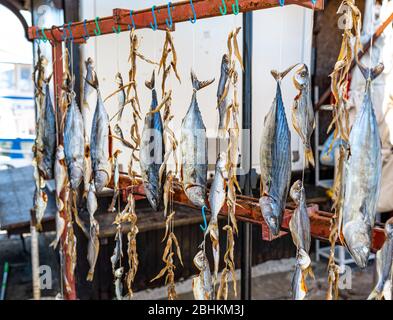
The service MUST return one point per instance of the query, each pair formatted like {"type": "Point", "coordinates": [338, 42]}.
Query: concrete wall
{"type": "Point", "coordinates": [282, 36]}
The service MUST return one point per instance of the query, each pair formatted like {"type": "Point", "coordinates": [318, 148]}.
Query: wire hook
{"type": "Point", "coordinates": [282, 3]}
{"type": "Point", "coordinates": [86, 36]}
{"type": "Point", "coordinates": [97, 30]}
{"type": "Point", "coordinates": [204, 227]}
{"type": "Point", "coordinates": [153, 8]}
{"type": "Point", "coordinates": [223, 8]}
{"type": "Point", "coordinates": [132, 20]}
{"type": "Point", "coordinates": [235, 8]}
{"type": "Point", "coordinates": [70, 31]}
{"type": "Point", "coordinates": [116, 30]}
{"type": "Point", "coordinates": [194, 18]}
{"type": "Point", "coordinates": [170, 23]}
{"type": "Point", "coordinates": [314, 2]}
{"type": "Point", "coordinates": [64, 36]}
{"type": "Point", "coordinates": [44, 38]}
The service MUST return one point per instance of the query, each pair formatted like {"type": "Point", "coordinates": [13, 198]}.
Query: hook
{"type": "Point", "coordinates": [314, 2]}
{"type": "Point", "coordinates": [170, 23]}
{"type": "Point", "coordinates": [44, 38]}
{"type": "Point", "coordinates": [70, 31]}
{"type": "Point", "coordinates": [37, 34]}
{"type": "Point", "coordinates": [235, 8]}
{"type": "Point", "coordinates": [132, 20]}
{"type": "Point", "coordinates": [194, 18]}
{"type": "Point", "coordinates": [64, 36]}
{"type": "Point", "coordinates": [154, 17]}
{"type": "Point", "coordinates": [204, 227]}
{"type": "Point", "coordinates": [223, 10]}
{"type": "Point", "coordinates": [86, 36]}
{"type": "Point", "coordinates": [116, 30]}
{"type": "Point", "coordinates": [97, 30]}
{"type": "Point", "coordinates": [282, 3]}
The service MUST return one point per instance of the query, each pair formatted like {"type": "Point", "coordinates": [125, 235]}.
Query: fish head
{"type": "Point", "coordinates": [200, 260]}
{"type": "Point", "coordinates": [152, 199]}
{"type": "Point", "coordinates": [89, 63]}
{"type": "Point", "coordinates": [76, 175]}
{"type": "Point", "coordinates": [271, 210]}
{"type": "Point", "coordinates": [296, 191]}
{"type": "Point", "coordinates": [301, 78]}
{"type": "Point", "coordinates": [100, 180]}
{"type": "Point", "coordinates": [225, 61]}
{"type": "Point", "coordinates": [357, 240]}
{"type": "Point", "coordinates": [119, 79]}
{"type": "Point", "coordinates": [221, 161]}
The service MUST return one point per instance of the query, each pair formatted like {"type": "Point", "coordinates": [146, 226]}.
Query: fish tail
{"type": "Point", "coordinates": [198, 85]}
{"type": "Point", "coordinates": [90, 276]}
{"type": "Point", "coordinates": [151, 84]}
{"type": "Point", "coordinates": [309, 157]}
{"type": "Point", "coordinates": [281, 75]}
{"type": "Point", "coordinates": [371, 73]}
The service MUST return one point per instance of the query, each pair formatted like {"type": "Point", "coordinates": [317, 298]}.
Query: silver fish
{"type": "Point", "coordinates": [89, 80]}
{"type": "Point", "coordinates": [275, 160]}
{"type": "Point", "coordinates": [48, 119]}
{"type": "Point", "coordinates": [300, 231]}
{"type": "Point", "coordinates": [121, 96]}
{"type": "Point", "coordinates": [152, 151]}
{"type": "Point", "coordinates": [193, 146]}
{"type": "Point", "coordinates": [117, 251]}
{"type": "Point", "coordinates": [40, 203]}
{"type": "Point", "coordinates": [60, 226]}
{"type": "Point", "coordinates": [303, 112]}
{"type": "Point", "coordinates": [99, 146]}
{"type": "Point", "coordinates": [222, 93]}
{"type": "Point", "coordinates": [94, 244]}
{"type": "Point", "coordinates": [217, 198]}
{"type": "Point", "coordinates": [118, 283]}
{"type": "Point", "coordinates": [74, 144]}
{"type": "Point", "coordinates": [384, 286]}
{"type": "Point", "coordinates": [362, 176]}
{"type": "Point", "coordinates": [202, 285]}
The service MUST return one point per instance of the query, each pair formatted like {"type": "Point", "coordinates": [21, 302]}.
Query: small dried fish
{"type": "Point", "coordinates": [118, 283]}
{"type": "Point", "coordinates": [117, 252]}
{"type": "Point", "coordinates": [40, 203]}
{"type": "Point", "coordinates": [384, 286]}
{"type": "Point", "coordinates": [193, 147]}
{"type": "Point", "coordinates": [303, 111]}
{"type": "Point", "coordinates": [202, 285]}
{"type": "Point", "coordinates": [93, 247]}
{"type": "Point", "coordinates": [121, 96]}
{"type": "Point", "coordinates": [222, 93]}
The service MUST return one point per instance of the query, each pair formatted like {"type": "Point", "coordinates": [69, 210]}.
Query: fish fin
{"type": "Point", "coordinates": [371, 73]}
{"type": "Point", "coordinates": [309, 157]}
{"type": "Point", "coordinates": [281, 75]}
{"type": "Point", "coordinates": [151, 84]}
{"type": "Point", "coordinates": [198, 85]}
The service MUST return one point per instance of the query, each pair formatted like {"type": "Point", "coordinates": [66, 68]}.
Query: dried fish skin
{"type": "Point", "coordinates": [362, 176]}
{"type": "Point", "coordinates": [193, 147]}
{"type": "Point", "coordinates": [275, 160]}
{"type": "Point", "coordinates": [99, 146]}
{"type": "Point", "coordinates": [74, 144]}
{"type": "Point", "coordinates": [152, 151]}
{"type": "Point", "coordinates": [303, 119]}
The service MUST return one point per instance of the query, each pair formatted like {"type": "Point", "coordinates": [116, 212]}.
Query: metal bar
{"type": "Point", "coordinates": [246, 256]}
{"type": "Point", "coordinates": [366, 47]}
{"type": "Point", "coordinates": [182, 12]}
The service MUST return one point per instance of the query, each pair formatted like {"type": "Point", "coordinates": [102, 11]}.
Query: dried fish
{"type": "Point", "coordinates": [202, 284]}
{"type": "Point", "coordinates": [275, 160]}
{"type": "Point", "coordinates": [116, 179]}
{"type": "Point", "coordinates": [362, 176]}
{"type": "Point", "coordinates": [222, 93]}
{"type": "Point", "coordinates": [93, 247]}
{"type": "Point", "coordinates": [121, 96]}
{"type": "Point", "coordinates": [193, 147]}
{"type": "Point", "coordinates": [152, 151]}
{"type": "Point", "coordinates": [118, 283]}
{"type": "Point", "coordinates": [40, 203]}
{"type": "Point", "coordinates": [303, 111]}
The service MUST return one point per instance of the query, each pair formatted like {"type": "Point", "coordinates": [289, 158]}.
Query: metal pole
{"type": "Point", "coordinates": [247, 152]}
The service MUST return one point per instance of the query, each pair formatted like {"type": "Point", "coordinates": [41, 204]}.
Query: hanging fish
{"type": "Point", "coordinates": [303, 112]}
{"type": "Point", "coordinates": [74, 144]}
{"type": "Point", "coordinates": [99, 146]}
{"type": "Point", "coordinates": [222, 93]}
{"type": "Point", "coordinates": [118, 283]}
{"type": "Point", "coordinates": [301, 237]}
{"type": "Point", "coordinates": [275, 160]}
{"type": "Point", "coordinates": [362, 176]}
{"type": "Point", "coordinates": [202, 285]}
{"type": "Point", "coordinates": [89, 80]}
{"type": "Point", "coordinates": [384, 287]}
{"type": "Point", "coordinates": [121, 95]}
{"type": "Point", "coordinates": [193, 147]}
{"type": "Point", "coordinates": [217, 199]}
{"type": "Point", "coordinates": [152, 151]}
{"type": "Point", "coordinates": [40, 203]}
{"type": "Point", "coordinates": [93, 247]}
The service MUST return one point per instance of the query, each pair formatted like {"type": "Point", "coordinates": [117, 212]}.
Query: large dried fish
{"type": "Point", "coordinates": [301, 237]}
{"type": "Point", "coordinates": [100, 146]}
{"type": "Point", "coordinates": [93, 247]}
{"type": "Point", "coordinates": [275, 160]}
{"type": "Point", "coordinates": [74, 144]}
{"type": "Point", "coordinates": [193, 147]}
{"type": "Point", "coordinates": [152, 151]}
{"type": "Point", "coordinates": [202, 284]}
{"type": "Point", "coordinates": [222, 93]}
{"type": "Point", "coordinates": [362, 176]}
{"type": "Point", "coordinates": [217, 199]}
{"type": "Point", "coordinates": [303, 112]}
{"type": "Point", "coordinates": [384, 286]}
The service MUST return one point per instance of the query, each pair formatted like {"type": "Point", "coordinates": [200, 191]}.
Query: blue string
{"type": "Point", "coordinates": [204, 227]}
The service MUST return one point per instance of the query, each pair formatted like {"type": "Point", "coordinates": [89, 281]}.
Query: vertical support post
{"type": "Point", "coordinates": [57, 54]}
{"type": "Point", "coordinates": [247, 152]}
